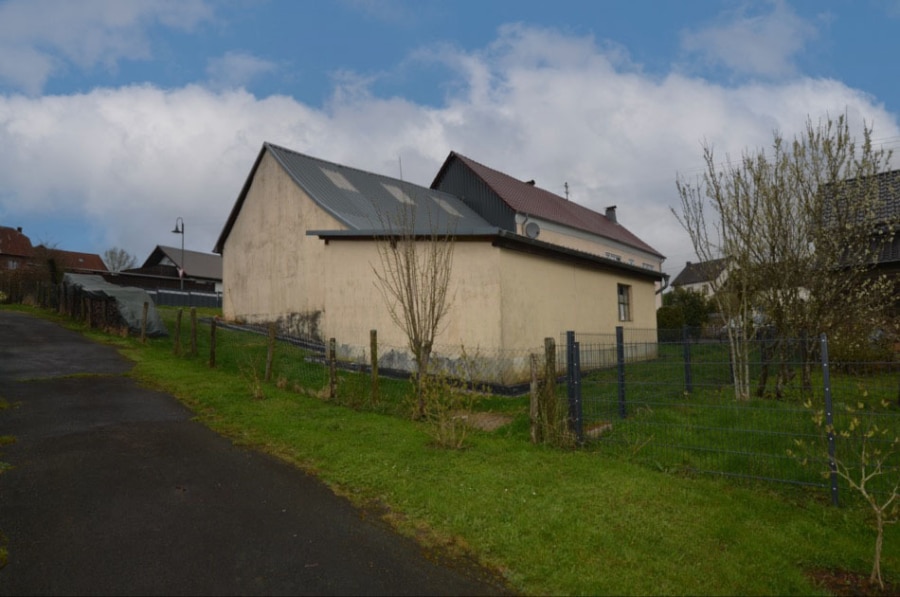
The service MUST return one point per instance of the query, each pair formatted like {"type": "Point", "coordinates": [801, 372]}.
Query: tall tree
{"type": "Point", "coordinates": [117, 259]}
{"type": "Point", "coordinates": [799, 225]}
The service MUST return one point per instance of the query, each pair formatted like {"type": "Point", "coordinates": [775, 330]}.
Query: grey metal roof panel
{"type": "Point", "coordinates": [365, 201]}
{"type": "Point", "coordinates": [196, 264]}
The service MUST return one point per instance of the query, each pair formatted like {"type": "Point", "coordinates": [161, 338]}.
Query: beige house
{"type": "Point", "coordinates": [301, 244]}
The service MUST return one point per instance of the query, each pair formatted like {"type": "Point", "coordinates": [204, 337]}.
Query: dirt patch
{"type": "Point", "coordinates": [850, 584]}
{"type": "Point", "coordinates": [486, 421]}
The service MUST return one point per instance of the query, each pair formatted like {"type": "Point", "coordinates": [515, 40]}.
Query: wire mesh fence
{"type": "Point", "coordinates": [676, 408]}
{"type": "Point", "coordinates": [376, 376]}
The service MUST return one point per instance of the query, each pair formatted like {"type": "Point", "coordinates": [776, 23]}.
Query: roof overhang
{"type": "Point", "coordinates": [504, 239]}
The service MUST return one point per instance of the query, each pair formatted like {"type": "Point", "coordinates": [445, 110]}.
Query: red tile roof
{"type": "Point", "coordinates": [13, 242]}
{"type": "Point", "coordinates": [73, 260]}
{"type": "Point", "coordinates": [525, 198]}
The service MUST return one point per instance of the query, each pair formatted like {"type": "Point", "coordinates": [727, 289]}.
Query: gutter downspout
{"type": "Point", "coordinates": [664, 285]}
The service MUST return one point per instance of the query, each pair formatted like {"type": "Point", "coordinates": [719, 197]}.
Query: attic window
{"type": "Point", "coordinates": [339, 180]}
{"type": "Point", "coordinates": [446, 207]}
{"type": "Point", "coordinates": [398, 194]}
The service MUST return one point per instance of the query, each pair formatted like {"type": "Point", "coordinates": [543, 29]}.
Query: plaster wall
{"type": "Point", "coordinates": [543, 298]}
{"type": "Point", "coordinates": [580, 240]}
{"type": "Point", "coordinates": [271, 269]}
{"type": "Point", "coordinates": [355, 304]}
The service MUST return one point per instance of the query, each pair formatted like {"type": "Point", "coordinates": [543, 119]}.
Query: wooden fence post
{"type": "Point", "coordinates": [193, 331]}
{"type": "Point", "coordinates": [177, 348]}
{"type": "Point", "coordinates": [332, 369]}
{"type": "Point", "coordinates": [89, 308]}
{"type": "Point", "coordinates": [270, 354]}
{"type": "Point", "coordinates": [373, 351]}
{"type": "Point", "coordinates": [212, 344]}
{"type": "Point", "coordinates": [144, 322]}
{"type": "Point", "coordinates": [548, 408]}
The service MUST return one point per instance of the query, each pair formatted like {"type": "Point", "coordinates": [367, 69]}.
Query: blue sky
{"type": "Point", "coordinates": [116, 117]}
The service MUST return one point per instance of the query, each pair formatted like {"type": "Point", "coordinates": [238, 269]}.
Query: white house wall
{"type": "Point", "coordinates": [354, 303]}
{"type": "Point", "coordinates": [271, 269]}
{"type": "Point", "coordinates": [565, 236]}
{"type": "Point", "coordinates": [543, 298]}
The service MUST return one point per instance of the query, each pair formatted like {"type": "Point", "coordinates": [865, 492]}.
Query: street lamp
{"type": "Point", "coordinates": [179, 229]}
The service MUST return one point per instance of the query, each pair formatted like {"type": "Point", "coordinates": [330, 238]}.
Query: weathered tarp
{"type": "Point", "coordinates": [129, 301]}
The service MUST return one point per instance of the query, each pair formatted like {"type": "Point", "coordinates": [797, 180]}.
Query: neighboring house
{"type": "Point", "coordinates": [164, 266]}
{"type": "Point", "coordinates": [78, 263]}
{"type": "Point", "coordinates": [702, 277]}
{"type": "Point", "coordinates": [889, 219]}
{"type": "Point", "coordinates": [301, 242]}
{"type": "Point", "coordinates": [528, 210]}
{"type": "Point", "coordinates": [15, 249]}
{"type": "Point", "coordinates": [17, 252]}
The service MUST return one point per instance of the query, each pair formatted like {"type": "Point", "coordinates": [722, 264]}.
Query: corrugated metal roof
{"type": "Point", "coordinates": [526, 198]}
{"type": "Point", "coordinates": [366, 201]}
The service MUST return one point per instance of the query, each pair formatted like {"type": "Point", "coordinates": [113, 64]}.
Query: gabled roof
{"type": "Point", "coordinates": [75, 261]}
{"type": "Point", "coordinates": [699, 273]}
{"type": "Point", "coordinates": [365, 201]}
{"type": "Point", "coordinates": [196, 264]}
{"type": "Point", "coordinates": [13, 242]}
{"type": "Point", "coordinates": [526, 198]}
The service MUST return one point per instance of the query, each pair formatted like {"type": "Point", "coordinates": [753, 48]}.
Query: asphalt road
{"type": "Point", "coordinates": [115, 490]}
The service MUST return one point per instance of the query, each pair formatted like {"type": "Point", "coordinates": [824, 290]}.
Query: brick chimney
{"type": "Point", "coordinates": [611, 214]}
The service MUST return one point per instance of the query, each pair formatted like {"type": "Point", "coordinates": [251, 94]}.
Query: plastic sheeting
{"type": "Point", "coordinates": [129, 301]}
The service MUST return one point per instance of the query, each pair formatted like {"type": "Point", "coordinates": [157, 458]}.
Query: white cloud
{"type": "Point", "coordinates": [41, 37]}
{"type": "Point", "coordinates": [536, 104]}
{"type": "Point", "coordinates": [757, 45]}
{"type": "Point", "coordinates": [236, 69]}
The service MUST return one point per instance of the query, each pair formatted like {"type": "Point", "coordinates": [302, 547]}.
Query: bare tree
{"type": "Point", "coordinates": [867, 460]}
{"type": "Point", "coordinates": [416, 260]}
{"type": "Point", "coordinates": [795, 224]}
{"type": "Point", "coordinates": [117, 259]}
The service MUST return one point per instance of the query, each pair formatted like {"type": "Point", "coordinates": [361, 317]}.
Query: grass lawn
{"type": "Point", "coordinates": [550, 521]}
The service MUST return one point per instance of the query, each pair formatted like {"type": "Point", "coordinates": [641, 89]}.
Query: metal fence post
{"type": "Point", "coordinates": [573, 383]}
{"type": "Point", "coordinates": [829, 420]}
{"type": "Point", "coordinates": [686, 345]}
{"type": "Point", "coordinates": [620, 366]}
{"type": "Point", "coordinates": [570, 375]}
